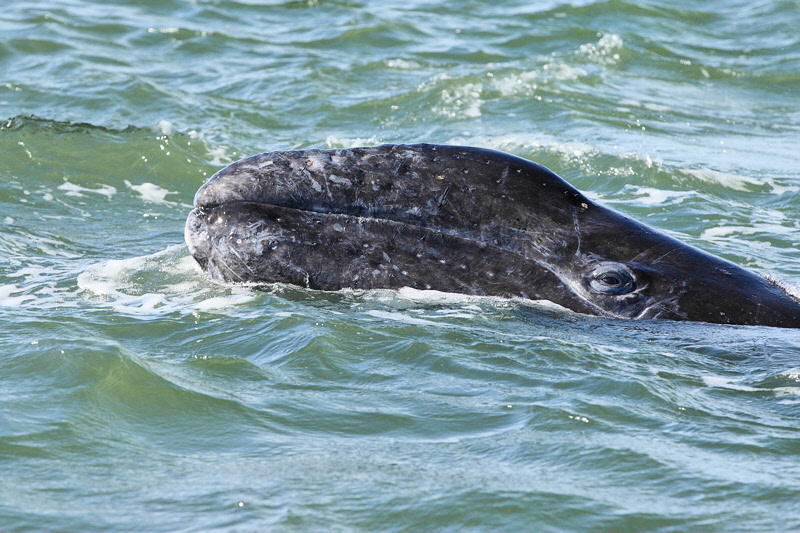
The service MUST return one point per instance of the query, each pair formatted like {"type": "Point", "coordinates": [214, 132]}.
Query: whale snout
{"type": "Point", "coordinates": [196, 237]}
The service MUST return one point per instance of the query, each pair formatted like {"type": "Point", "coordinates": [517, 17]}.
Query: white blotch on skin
{"type": "Point", "coordinates": [314, 183]}
{"type": "Point", "coordinates": [339, 180]}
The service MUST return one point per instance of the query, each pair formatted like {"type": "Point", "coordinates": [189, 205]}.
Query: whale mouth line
{"type": "Point", "coordinates": [357, 212]}
{"type": "Point", "coordinates": [370, 213]}
{"type": "Point", "coordinates": [358, 216]}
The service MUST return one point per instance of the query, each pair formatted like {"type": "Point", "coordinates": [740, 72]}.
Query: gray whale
{"type": "Point", "coordinates": [463, 220]}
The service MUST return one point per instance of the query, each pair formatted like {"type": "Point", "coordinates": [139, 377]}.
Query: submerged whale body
{"type": "Point", "coordinates": [463, 220]}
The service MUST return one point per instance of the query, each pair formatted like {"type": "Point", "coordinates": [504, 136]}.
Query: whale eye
{"type": "Point", "coordinates": [612, 278]}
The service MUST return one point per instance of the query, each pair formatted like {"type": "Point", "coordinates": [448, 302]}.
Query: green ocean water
{"type": "Point", "coordinates": [137, 395]}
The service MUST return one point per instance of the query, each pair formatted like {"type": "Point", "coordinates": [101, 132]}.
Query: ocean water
{"type": "Point", "coordinates": [137, 395]}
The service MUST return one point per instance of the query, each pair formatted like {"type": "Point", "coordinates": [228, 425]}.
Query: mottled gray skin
{"type": "Point", "coordinates": [464, 220]}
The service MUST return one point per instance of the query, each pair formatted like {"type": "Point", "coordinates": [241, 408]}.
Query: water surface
{"type": "Point", "coordinates": [138, 395]}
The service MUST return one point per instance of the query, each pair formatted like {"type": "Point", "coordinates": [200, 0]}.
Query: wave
{"type": "Point", "coordinates": [160, 137]}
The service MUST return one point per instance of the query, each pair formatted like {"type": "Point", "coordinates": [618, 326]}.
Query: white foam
{"type": "Point", "coordinates": [738, 183]}
{"type": "Point", "coordinates": [158, 284]}
{"type": "Point", "coordinates": [448, 298]}
{"type": "Point", "coordinates": [555, 69]}
{"type": "Point", "coordinates": [402, 317]}
{"type": "Point", "coordinates": [528, 83]}
{"type": "Point", "coordinates": [793, 374]}
{"type": "Point", "coordinates": [72, 189]}
{"type": "Point", "coordinates": [455, 313]}
{"type": "Point", "coordinates": [463, 101]}
{"type": "Point", "coordinates": [402, 64]}
{"type": "Point", "coordinates": [720, 232]}
{"type": "Point", "coordinates": [650, 196]}
{"type": "Point", "coordinates": [46, 245]}
{"type": "Point", "coordinates": [224, 302]}
{"type": "Point", "coordinates": [438, 297]}
{"type": "Point", "coordinates": [517, 83]}
{"type": "Point", "coordinates": [218, 154]}
{"type": "Point", "coordinates": [7, 300]}
{"type": "Point", "coordinates": [167, 31]}
{"type": "Point", "coordinates": [187, 264]}
{"type": "Point", "coordinates": [338, 142]}
{"type": "Point", "coordinates": [571, 149]}
{"type": "Point", "coordinates": [605, 51]}
{"type": "Point", "coordinates": [151, 192]}
{"type": "Point", "coordinates": [33, 274]}
{"type": "Point", "coordinates": [732, 384]}
{"type": "Point", "coordinates": [526, 144]}
{"type": "Point", "coordinates": [724, 231]}
{"type": "Point", "coordinates": [726, 383]}
{"type": "Point", "coordinates": [164, 127]}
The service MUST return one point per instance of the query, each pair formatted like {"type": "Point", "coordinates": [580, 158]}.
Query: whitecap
{"type": "Point", "coordinates": [719, 232]}
{"type": "Point", "coordinates": [737, 182]}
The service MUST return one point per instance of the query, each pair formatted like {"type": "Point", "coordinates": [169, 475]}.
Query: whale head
{"type": "Point", "coordinates": [459, 219]}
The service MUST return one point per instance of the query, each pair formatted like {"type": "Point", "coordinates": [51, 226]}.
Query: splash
{"type": "Point", "coordinates": [158, 284]}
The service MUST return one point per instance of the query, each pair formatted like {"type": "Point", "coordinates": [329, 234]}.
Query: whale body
{"type": "Point", "coordinates": [464, 220]}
